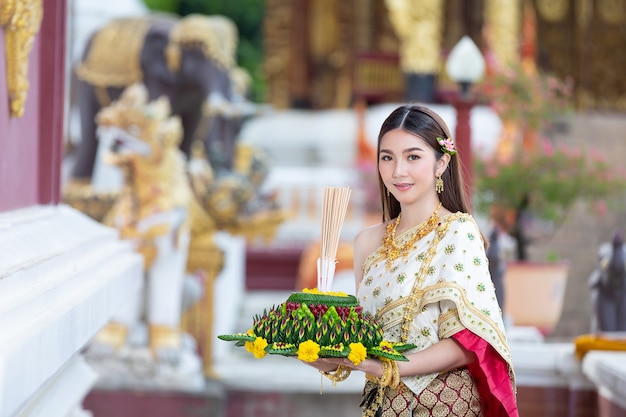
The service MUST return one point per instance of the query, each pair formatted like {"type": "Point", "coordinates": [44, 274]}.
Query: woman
{"type": "Point", "coordinates": [424, 274]}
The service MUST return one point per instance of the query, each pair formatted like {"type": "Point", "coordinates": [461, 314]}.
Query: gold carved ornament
{"type": "Point", "coordinates": [552, 11]}
{"type": "Point", "coordinates": [277, 29]}
{"type": "Point", "coordinates": [612, 11]}
{"type": "Point", "coordinates": [21, 20]}
{"type": "Point", "coordinates": [419, 25]}
{"type": "Point", "coordinates": [584, 13]}
{"type": "Point", "coordinates": [503, 18]}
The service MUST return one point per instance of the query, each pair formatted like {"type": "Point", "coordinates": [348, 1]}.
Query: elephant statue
{"type": "Point", "coordinates": [185, 59]}
{"type": "Point", "coordinates": [608, 287]}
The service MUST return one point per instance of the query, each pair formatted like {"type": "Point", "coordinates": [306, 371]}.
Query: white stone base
{"type": "Point", "coordinates": [134, 368]}
{"type": "Point", "coordinates": [608, 371]}
{"type": "Point", "coordinates": [62, 277]}
{"type": "Point", "coordinates": [74, 380]}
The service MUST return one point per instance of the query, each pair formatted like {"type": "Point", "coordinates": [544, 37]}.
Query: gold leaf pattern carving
{"type": "Point", "coordinates": [21, 21]}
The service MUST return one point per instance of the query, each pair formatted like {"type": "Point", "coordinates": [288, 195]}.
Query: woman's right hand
{"type": "Point", "coordinates": [322, 365]}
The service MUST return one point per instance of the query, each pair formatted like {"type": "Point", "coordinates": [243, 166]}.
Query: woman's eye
{"type": "Point", "coordinates": [385, 158]}
{"type": "Point", "coordinates": [413, 157]}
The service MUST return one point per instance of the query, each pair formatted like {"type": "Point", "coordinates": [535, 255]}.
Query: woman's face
{"type": "Point", "coordinates": [407, 166]}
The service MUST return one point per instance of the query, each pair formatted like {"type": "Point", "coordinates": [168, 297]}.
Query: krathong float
{"type": "Point", "coordinates": [320, 323]}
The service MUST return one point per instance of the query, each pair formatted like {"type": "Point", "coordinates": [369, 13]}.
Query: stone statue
{"type": "Point", "coordinates": [608, 287]}
{"type": "Point", "coordinates": [496, 265]}
{"type": "Point", "coordinates": [184, 59]}
{"type": "Point", "coordinates": [155, 212]}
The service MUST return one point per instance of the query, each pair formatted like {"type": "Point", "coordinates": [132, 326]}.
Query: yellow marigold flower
{"type": "Point", "coordinates": [307, 351]}
{"type": "Point", "coordinates": [249, 345]}
{"type": "Point", "coordinates": [316, 291]}
{"type": "Point", "coordinates": [357, 353]}
{"type": "Point", "coordinates": [258, 349]}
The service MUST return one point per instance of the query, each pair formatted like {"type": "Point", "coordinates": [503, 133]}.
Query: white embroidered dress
{"type": "Point", "coordinates": [440, 288]}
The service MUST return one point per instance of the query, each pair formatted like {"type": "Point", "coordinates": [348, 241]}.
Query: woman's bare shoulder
{"type": "Point", "coordinates": [369, 239]}
{"type": "Point", "coordinates": [365, 243]}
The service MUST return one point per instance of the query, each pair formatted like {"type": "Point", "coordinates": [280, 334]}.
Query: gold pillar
{"type": "Point", "coordinates": [277, 31]}
{"type": "Point", "coordinates": [198, 319]}
{"type": "Point", "coordinates": [503, 19]}
{"type": "Point", "coordinates": [206, 259]}
{"type": "Point", "coordinates": [418, 24]}
{"type": "Point", "coordinates": [363, 30]}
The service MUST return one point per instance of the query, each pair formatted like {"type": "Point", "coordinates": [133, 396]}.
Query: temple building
{"type": "Point", "coordinates": [324, 54]}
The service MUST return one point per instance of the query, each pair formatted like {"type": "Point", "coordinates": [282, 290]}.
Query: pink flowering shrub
{"type": "Point", "coordinates": [548, 181]}
{"type": "Point", "coordinates": [531, 100]}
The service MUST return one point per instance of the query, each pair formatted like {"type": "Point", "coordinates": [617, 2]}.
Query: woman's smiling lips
{"type": "Point", "coordinates": [403, 186]}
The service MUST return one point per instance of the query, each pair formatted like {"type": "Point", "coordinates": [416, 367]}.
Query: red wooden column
{"type": "Point", "coordinates": [52, 55]}
{"type": "Point", "coordinates": [463, 140]}
{"type": "Point", "coordinates": [31, 145]}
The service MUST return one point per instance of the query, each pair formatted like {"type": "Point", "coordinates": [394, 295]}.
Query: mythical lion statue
{"type": "Point", "coordinates": [157, 211]}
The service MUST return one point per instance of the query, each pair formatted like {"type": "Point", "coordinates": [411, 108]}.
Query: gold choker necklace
{"type": "Point", "coordinates": [393, 251]}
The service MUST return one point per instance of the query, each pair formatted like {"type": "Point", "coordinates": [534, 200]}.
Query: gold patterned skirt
{"type": "Point", "coordinates": [453, 393]}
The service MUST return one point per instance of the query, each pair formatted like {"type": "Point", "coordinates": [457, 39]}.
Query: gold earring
{"type": "Point", "coordinates": [439, 184]}
{"type": "Point", "coordinates": [387, 191]}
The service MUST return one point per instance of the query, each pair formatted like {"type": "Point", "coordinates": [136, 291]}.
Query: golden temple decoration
{"type": "Point", "coordinates": [21, 20]}
{"type": "Point", "coordinates": [552, 11]}
{"type": "Point", "coordinates": [611, 11]}
{"type": "Point", "coordinates": [584, 13]}
{"type": "Point", "coordinates": [323, 28]}
{"type": "Point", "coordinates": [113, 59]}
{"type": "Point", "coordinates": [504, 18]}
{"type": "Point", "coordinates": [198, 319]}
{"type": "Point", "coordinates": [419, 25]}
{"type": "Point", "coordinates": [277, 35]}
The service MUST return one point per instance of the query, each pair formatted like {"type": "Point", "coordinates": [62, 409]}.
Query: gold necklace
{"type": "Point", "coordinates": [392, 251]}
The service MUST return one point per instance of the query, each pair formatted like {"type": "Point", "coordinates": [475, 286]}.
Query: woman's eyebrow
{"type": "Point", "coordinates": [408, 150]}
{"type": "Point", "coordinates": [417, 148]}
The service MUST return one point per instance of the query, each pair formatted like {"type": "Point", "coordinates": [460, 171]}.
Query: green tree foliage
{"type": "Point", "coordinates": [170, 6]}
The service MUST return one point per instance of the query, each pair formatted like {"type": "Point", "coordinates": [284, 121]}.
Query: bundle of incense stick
{"type": "Point", "coordinates": [334, 209]}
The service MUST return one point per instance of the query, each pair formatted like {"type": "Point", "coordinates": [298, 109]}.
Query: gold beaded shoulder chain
{"type": "Point", "coordinates": [409, 311]}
